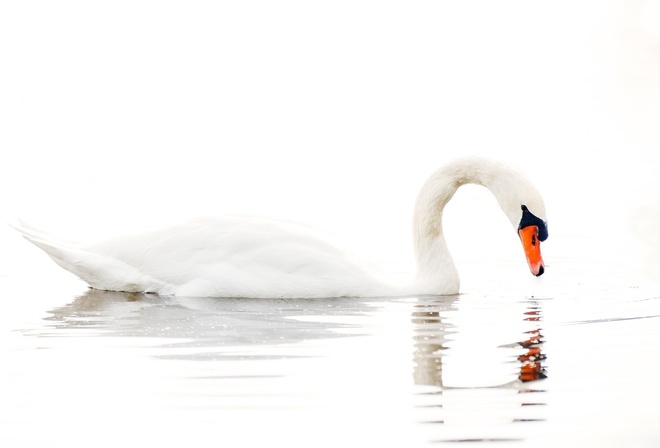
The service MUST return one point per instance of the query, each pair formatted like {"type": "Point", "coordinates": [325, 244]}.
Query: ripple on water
{"type": "Point", "coordinates": [477, 365]}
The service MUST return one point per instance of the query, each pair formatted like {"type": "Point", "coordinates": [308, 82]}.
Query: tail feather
{"type": "Point", "coordinates": [97, 270]}
{"type": "Point", "coordinates": [59, 250]}
{"type": "Point", "coordinates": [34, 235]}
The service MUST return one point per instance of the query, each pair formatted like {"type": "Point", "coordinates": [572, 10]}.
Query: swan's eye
{"type": "Point", "coordinates": [529, 219]}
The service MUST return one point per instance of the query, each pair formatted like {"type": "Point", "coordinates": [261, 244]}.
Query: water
{"type": "Point", "coordinates": [84, 367]}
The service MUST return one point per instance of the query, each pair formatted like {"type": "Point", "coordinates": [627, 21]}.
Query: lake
{"type": "Point", "coordinates": [575, 365]}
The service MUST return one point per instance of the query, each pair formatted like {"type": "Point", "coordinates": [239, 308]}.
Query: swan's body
{"type": "Point", "coordinates": [250, 257]}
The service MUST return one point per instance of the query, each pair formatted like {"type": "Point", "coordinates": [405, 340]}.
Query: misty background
{"type": "Point", "coordinates": [126, 115]}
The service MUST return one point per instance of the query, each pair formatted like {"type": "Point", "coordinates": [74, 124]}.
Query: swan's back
{"type": "Point", "coordinates": [218, 257]}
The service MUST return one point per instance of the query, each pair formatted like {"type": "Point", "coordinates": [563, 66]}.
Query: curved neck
{"type": "Point", "coordinates": [436, 271]}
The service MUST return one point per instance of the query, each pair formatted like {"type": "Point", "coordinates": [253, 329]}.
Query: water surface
{"type": "Point", "coordinates": [107, 369]}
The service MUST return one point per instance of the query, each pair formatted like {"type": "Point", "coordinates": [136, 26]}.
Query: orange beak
{"type": "Point", "coordinates": [532, 246]}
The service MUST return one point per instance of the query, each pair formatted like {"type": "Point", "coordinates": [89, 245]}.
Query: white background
{"type": "Point", "coordinates": [116, 116]}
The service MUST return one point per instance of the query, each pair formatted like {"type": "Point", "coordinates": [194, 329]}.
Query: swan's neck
{"type": "Point", "coordinates": [436, 271]}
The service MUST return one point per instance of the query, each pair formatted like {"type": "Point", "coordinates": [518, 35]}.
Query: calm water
{"type": "Point", "coordinates": [91, 368]}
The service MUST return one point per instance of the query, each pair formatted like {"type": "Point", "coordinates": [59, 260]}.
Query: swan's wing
{"type": "Point", "coordinates": [223, 257]}
{"type": "Point", "coordinates": [242, 256]}
{"type": "Point", "coordinates": [98, 271]}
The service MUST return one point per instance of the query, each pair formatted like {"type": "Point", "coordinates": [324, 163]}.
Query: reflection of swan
{"type": "Point", "coordinates": [475, 379]}
{"type": "Point", "coordinates": [468, 344]}
{"type": "Point", "coordinates": [204, 322]}
{"type": "Point", "coordinates": [248, 257]}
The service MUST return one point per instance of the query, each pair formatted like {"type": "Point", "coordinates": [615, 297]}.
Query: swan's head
{"type": "Point", "coordinates": [532, 230]}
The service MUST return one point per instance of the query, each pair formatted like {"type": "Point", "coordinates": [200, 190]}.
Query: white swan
{"type": "Point", "coordinates": [248, 257]}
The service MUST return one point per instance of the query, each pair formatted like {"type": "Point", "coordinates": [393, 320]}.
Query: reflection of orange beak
{"type": "Point", "coordinates": [532, 246]}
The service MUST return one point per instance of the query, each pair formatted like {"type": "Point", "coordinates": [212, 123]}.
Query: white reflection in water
{"type": "Point", "coordinates": [212, 323]}
{"type": "Point", "coordinates": [481, 358]}
{"type": "Point", "coordinates": [463, 343]}
{"type": "Point", "coordinates": [383, 372]}
{"type": "Point", "coordinates": [471, 360]}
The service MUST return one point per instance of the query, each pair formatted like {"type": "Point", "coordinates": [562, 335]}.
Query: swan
{"type": "Point", "coordinates": [265, 258]}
